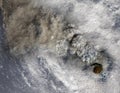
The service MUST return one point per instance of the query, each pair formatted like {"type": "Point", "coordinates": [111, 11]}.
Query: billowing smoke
{"type": "Point", "coordinates": [70, 46]}
{"type": "Point", "coordinates": [100, 17]}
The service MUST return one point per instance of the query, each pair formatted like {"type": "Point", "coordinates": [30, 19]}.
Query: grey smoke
{"type": "Point", "coordinates": [43, 70]}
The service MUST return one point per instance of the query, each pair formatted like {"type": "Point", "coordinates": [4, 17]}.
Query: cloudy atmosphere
{"type": "Point", "coordinates": [59, 46]}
